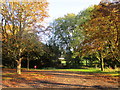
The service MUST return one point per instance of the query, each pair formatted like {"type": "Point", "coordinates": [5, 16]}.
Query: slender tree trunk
{"type": "Point", "coordinates": [27, 63]}
{"type": "Point", "coordinates": [101, 59]}
{"type": "Point", "coordinates": [19, 66]}
{"type": "Point", "coordinates": [102, 64]}
{"type": "Point", "coordinates": [86, 63]}
{"type": "Point", "coordinates": [96, 66]}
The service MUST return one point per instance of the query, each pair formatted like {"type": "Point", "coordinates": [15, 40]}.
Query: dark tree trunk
{"type": "Point", "coordinates": [28, 63]}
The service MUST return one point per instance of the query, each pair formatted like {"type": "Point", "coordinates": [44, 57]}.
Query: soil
{"type": "Point", "coordinates": [57, 79]}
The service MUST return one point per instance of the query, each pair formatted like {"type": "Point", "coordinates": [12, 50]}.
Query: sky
{"type": "Point", "coordinates": [59, 8]}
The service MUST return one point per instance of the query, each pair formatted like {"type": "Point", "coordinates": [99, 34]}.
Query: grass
{"type": "Point", "coordinates": [112, 72]}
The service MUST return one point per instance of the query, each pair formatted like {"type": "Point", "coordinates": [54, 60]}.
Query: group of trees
{"type": "Point", "coordinates": [102, 33]}
{"type": "Point", "coordinates": [20, 24]}
{"type": "Point", "coordinates": [92, 34]}
{"type": "Point", "coordinates": [91, 38]}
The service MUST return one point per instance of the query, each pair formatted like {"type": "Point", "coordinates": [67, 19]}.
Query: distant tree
{"type": "Point", "coordinates": [62, 29]}
{"type": "Point", "coordinates": [79, 35]}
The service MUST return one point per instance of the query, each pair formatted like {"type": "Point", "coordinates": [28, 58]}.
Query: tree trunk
{"type": "Point", "coordinates": [96, 66]}
{"type": "Point", "coordinates": [101, 59]}
{"type": "Point", "coordinates": [19, 66]}
{"type": "Point", "coordinates": [28, 63]}
{"type": "Point", "coordinates": [102, 64]}
{"type": "Point", "coordinates": [86, 62]}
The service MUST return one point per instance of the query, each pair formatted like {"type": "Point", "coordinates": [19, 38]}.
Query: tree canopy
{"type": "Point", "coordinates": [94, 31]}
{"type": "Point", "coordinates": [89, 38]}
{"type": "Point", "coordinates": [20, 23]}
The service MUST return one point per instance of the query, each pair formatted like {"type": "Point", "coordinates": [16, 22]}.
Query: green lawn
{"type": "Point", "coordinates": [94, 70]}
{"type": "Point", "coordinates": [112, 72]}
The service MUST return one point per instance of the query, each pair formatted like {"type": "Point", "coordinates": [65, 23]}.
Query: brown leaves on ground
{"type": "Point", "coordinates": [57, 79]}
{"type": "Point", "coordinates": [12, 79]}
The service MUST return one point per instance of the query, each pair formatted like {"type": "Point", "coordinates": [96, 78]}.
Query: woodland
{"type": "Point", "coordinates": [89, 39]}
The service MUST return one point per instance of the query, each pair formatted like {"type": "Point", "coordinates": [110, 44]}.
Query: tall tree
{"type": "Point", "coordinates": [17, 19]}
{"type": "Point", "coordinates": [79, 35]}
{"type": "Point", "coordinates": [62, 29]}
{"type": "Point", "coordinates": [102, 32]}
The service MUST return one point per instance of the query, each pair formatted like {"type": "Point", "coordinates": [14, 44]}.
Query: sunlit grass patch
{"type": "Point", "coordinates": [84, 70]}
{"type": "Point", "coordinates": [116, 74]}
{"type": "Point", "coordinates": [108, 71]}
{"type": "Point", "coordinates": [112, 70]}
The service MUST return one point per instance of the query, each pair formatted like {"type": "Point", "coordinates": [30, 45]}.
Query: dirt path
{"type": "Point", "coordinates": [60, 79]}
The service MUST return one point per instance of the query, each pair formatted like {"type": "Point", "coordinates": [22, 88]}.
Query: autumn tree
{"type": "Point", "coordinates": [19, 18]}
{"type": "Point", "coordinates": [102, 33]}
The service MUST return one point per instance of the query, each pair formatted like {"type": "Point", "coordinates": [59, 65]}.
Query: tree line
{"type": "Point", "coordinates": [93, 36]}
{"type": "Point", "coordinates": [20, 24]}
